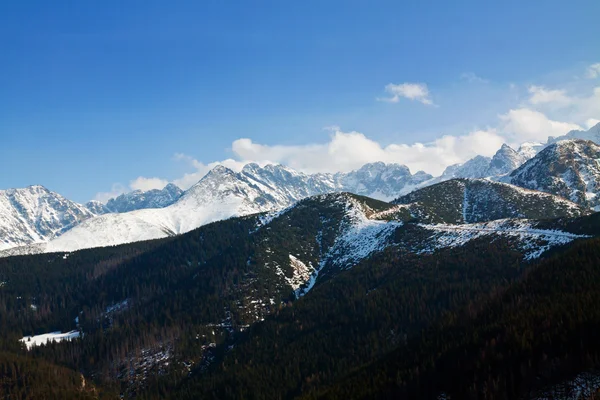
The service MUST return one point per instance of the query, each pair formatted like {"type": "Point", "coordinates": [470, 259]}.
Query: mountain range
{"type": "Point", "coordinates": [36, 220]}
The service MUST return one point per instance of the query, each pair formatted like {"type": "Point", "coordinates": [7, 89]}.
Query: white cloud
{"type": "Point", "coordinates": [346, 151]}
{"type": "Point", "coordinates": [115, 190]}
{"type": "Point", "coordinates": [590, 123]}
{"type": "Point", "coordinates": [529, 125]}
{"type": "Point", "coordinates": [593, 71]}
{"type": "Point", "coordinates": [541, 95]}
{"type": "Point", "coordinates": [471, 77]}
{"type": "Point", "coordinates": [588, 107]}
{"type": "Point", "coordinates": [411, 91]}
{"type": "Point", "coordinates": [140, 183]}
{"type": "Point", "coordinates": [545, 112]}
{"type": "Point", "coordinates": [145, 184]}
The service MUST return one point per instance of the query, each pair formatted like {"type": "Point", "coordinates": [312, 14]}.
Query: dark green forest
{"type": "Point", "coordinates": [207, 315]}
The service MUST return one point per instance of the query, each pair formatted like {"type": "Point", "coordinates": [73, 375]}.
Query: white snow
{"type": "Point", "coordinates": [34, 215]}
{"type": "Point", "coordinates": [37, 340]}
{"type": "Point", "coordinates": [301, 273]}
{"type": "Point", "coordinates": [582, 386]}
{"type": "Point", "coordinates": [221, 194]}
{"type": "Point", "coordinates": [359, 237]}
{"type": "Point", "coordinates": [534, 242]}
{"type": "Point", "coordinates": [117, 307]}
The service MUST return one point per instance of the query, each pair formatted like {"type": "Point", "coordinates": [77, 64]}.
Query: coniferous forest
{"type": "Point", "coordinates": [208, 315]}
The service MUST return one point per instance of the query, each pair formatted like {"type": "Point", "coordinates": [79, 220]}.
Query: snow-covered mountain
{"type": "Point", "coordinates": [377, 180]}
{"type": "Point", "coordinates": [96, 207]}
{"type": "Point", "coordinates": [223, 193]}
{"type": "Point", "coordinates": [502, 163]}
{"type": "Point", "coordinates": [592, 134]}
{"type": "Point", "coordinates": [138, 199]}
{"type": "Point", "coordinates": [380, 181]}
{"type": "Point", "coordinates": [568, 168]}
{"type": "Point", "coordinates": [36, 214]}
{"type": "Point", "coordinates": [507, 159]}
{"type": "Point", "coordinates": [528, 150]}
{"type": "Point", "coordinates": [473, 168]}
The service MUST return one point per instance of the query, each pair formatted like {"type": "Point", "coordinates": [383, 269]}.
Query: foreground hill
{"type": "Point", "coordinates": [477, 200]}
{"type": "Point", "coordinates": [154, 313]}
{"type": "Point", "coordinates": [474, 321]}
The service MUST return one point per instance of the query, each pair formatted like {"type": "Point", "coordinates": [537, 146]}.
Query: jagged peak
{"type": "Point", "coordinates": [217, 171]}
{"type": "Point", "coordinates": [380, 166]}
{"type": "Point", "coordinates": [251, 167]}
{"type": "Point", "coordinates": [171, 186]}
{"type": "Point", "coordinates": [29, 189]}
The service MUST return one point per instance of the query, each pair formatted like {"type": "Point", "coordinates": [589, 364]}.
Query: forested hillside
{"type": "Point", "coordinates": [335, 297]}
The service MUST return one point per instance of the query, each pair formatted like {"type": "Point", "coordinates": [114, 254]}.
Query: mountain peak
{"type": "Point", "coordinates": [592, 134]}
{"type": "Point", "coordinates": [35, 214]}
{"type": "Point", "coordinates": [567, 168]}
{"type": "Point", "coordinates": [505, 161]}
{"type": "Point", "coordinates": [251, 168]}
{"type": "Point", "coordinates": [139, 199]}
{"type": "Point", "coordinates": [219, 170]}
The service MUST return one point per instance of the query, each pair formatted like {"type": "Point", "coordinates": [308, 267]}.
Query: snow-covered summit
{"type": "Point", "coordinates": [568, 168]}
{"type": "Point", "coordinates": [138, 199]}
{"type": "Point", "coordinates": [224, 193]}
{"type": "Point", "coordinates": [35, 214]}
{"type": "Point", "coordinates": [592, 134]}
{"type": "Point", "coordinates": [505, 161]}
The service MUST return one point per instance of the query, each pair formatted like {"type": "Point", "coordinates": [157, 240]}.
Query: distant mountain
{"type": "Point", "coordinates": [380, 181]}
{"type": "Point", "coordinates": [221, 194]}
{"type": "Point", "coordinates": [528, 150]}
{"type": "Point", "coordinates": [568, 168]}
{"type": "Point", "coordinates": [502, 163]}
{"type": "Point", "coordinates": [474, 168]}
{"type": "Point", "coordinates": [592, 134]}
{"type": "Point", "coordinates": [507, 159]}
{"type": "Point", "coordinates": [96, 207]}
{"type": "Point", "coordinates": [138, 199]}
{"type": "Point", "coordinates": [36, 214]}
{"type": "Point", "coordinates": [460, 201]}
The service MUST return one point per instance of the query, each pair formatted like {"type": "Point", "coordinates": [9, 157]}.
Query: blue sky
{"type": "Point", "coordinates": [97, 94]}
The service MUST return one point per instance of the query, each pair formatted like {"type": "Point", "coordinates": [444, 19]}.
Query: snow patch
{"type": "Point", "coordinates": [534, 242]}
{"type": "Point", "coordinates": [38, 340]}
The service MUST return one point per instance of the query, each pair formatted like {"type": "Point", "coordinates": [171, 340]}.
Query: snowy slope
{"type": "Point", "coordinates": [592, 134]}
{"type": "Point", "coordinates": [329, 232]}
{"type": "Point", "coordinates": [529, 150]}
{"type": "Point", "coordinates": [531, 241]}
{"type": "Point", "coordinates": [38, 340]}
{"type": "Point", "coordinates": [36, 214]}
{"type": "Point", "coordinates": [221, 194]}
{"type": "Point", "coordinates": [352, 229]}
{"type": "Point", "coordinates": [502, 163]}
